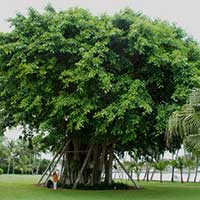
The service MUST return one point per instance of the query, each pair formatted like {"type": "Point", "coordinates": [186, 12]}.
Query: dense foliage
{"type": "Point", "coordinates": [111, 80]}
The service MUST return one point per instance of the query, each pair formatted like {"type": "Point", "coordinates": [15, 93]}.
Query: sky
{"type": "Point", "coordinates": [184, 13]}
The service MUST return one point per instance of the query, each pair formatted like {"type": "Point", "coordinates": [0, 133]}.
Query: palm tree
{"type": "Point", "coordinates": [10, 149]}
{"type": "Point", "coordinates": [137, 168]}
{"type": "Point", "coordinates": [2, 149]}
{"type": "Point", "coordinates": [180, 164]}
{"type": "Point", "coordinates": [189, 163]}
{"type": "Point", "coordinates": [192, 144]}
{"type": "Point", "coordinates": [147, 170]}
{"type": "Point", "coordinates": [160, 166]}
{"type": "Point", "coordinates": [134, 166]}
{"type": "Point", "coordinates": [186, 124]}
{"type": "Point", "coordinates": [173, 165]}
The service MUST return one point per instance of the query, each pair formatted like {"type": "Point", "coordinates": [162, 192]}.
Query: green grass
{"type": "Point", "coordinates": [23, 188]}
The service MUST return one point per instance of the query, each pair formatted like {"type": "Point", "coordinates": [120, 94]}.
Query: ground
{"type": "Point", "coordinates": [20, 187]}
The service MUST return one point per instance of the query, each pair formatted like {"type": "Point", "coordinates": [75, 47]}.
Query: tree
{"type": "Point", "coordinates": [10, 149]}
{"type": "Point", "coordinates": [106, 82]}
{"type": "Point", "coordinates": [20, 157]}
{"type": "Point", "coordinates": [134, 166]}
{"type": "Point", "coordinates": [189, 163]}
{"type": "Point", "coordinates": [186, 123]}
{"type": "Point", "coordinates": [2, 148]}
{"type": "Point", "coordinates": [3, 156]}
{"type": "Point", "coordinates": [161, 166]}
{"type": "Point", "coordinates": [137, 167]}
{"type": "Point", "coordinates": [179, 163]}
{"type": "Point", "coordinates": [173, 164]}
{"type": "Point", "coordinates": [174, 147]}
{"type": "Point", "coordinates": [191, 144]}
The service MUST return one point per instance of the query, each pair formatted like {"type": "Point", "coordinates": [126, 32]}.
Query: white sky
{"type": "Point", "coordinates": [184, 13]}
{"type": "Point", "coordinates": [13, 134]}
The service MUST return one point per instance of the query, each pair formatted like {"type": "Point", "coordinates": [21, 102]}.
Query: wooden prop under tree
{"type": "Point", "coordinates": [84, 164]}
{"type": "Point", "coordinates": [51, 167]}
{"type": "Point", "coordinates": [127, 173]}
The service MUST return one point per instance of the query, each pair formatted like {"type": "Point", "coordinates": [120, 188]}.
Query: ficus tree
{"type": "Point", "coordinates": [104, 83]}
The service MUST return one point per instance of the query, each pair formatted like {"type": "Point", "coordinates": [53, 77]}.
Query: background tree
{"type": "Point", "coordinates": [137, 163]}
{"type": "Point", "coordinates": [179, 163]}
{"type": "Point", "coordinates": [186, 123]}
{"type": "Point", "coordinates": [191, 144]}
{"type": "Point", "coordinates": [10, 153]}
{"type": "Point", "coordinates": [133, 166]}
{"type": "Point", "coordinates": [189, 163]}
{"type": "Point", "coordinates": [2, 151]}
{"type": "Point", "coordinates": [18, 157]}
{"type": "Point", "coordinates": [137, 168]}
{"type": "Point", "coordinates": [161, 166]}
{"type": "Point", "coordinates": [103, 83]}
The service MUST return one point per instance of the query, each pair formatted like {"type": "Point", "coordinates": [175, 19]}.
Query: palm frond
{"type": "Point", "coordinates": [192, 143]}
{"type": "Point", "coordinates": [186, 121]}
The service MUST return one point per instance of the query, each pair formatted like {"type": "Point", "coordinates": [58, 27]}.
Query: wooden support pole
{"type": "Point", "coordinates": [83, 167]}
{"type": "Point", "coordinates": [49, 166]}
{"type": "Point", "coordinates": [121, 165]}
{"type": "Point", "coordinates": [61, 152]}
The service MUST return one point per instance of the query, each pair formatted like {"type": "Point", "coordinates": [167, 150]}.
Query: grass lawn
{"type": "Point", "coordinates": [20, 187]}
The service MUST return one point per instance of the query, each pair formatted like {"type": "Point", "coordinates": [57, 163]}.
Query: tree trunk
{"type": "Point", "coordinates": [138, 176]}
{"type": "Point", "coordinates": [96, 172]}
{"type": "Point", "coordinates": [181, 172]}
{"type": "Point", "coordinates": [152, 175]}
{"type": "Point", "coordinates": [101, 157]}
{"type": "Point", "coordinates": [188, 177]}
{"type": "Point", "coordinates": [172, 177]}
{"type": "Point", "coordinates": [8, 169]}
{"type": "Point", "coordinates": [161, 176]}
{"type": "Point", "coordinates": [177, 154]}
{"type": "Point", "coordinates": [108, 166]}
{"type": "Point", "coordinates": [148, 170]}
{"type": "Point", "coordinates": [82, 168]}
{"type": "Point", "coordinates": [146, 175]}
{"type": "Point", "coordinates": [196, 170]}
{"type": "Point", "coordinates": [13, 165]}
{"type": "Point", "coordinates": [38, 167]}
{"type": "Point", "coordinates": [66, 177]}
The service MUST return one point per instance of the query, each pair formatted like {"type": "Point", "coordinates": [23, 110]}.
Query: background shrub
{"type": "Point", "coordinates": [1, 171]}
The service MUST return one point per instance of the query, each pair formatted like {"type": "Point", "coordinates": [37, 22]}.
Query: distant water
{"type": "Point", "coordinates": [166, 176]}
